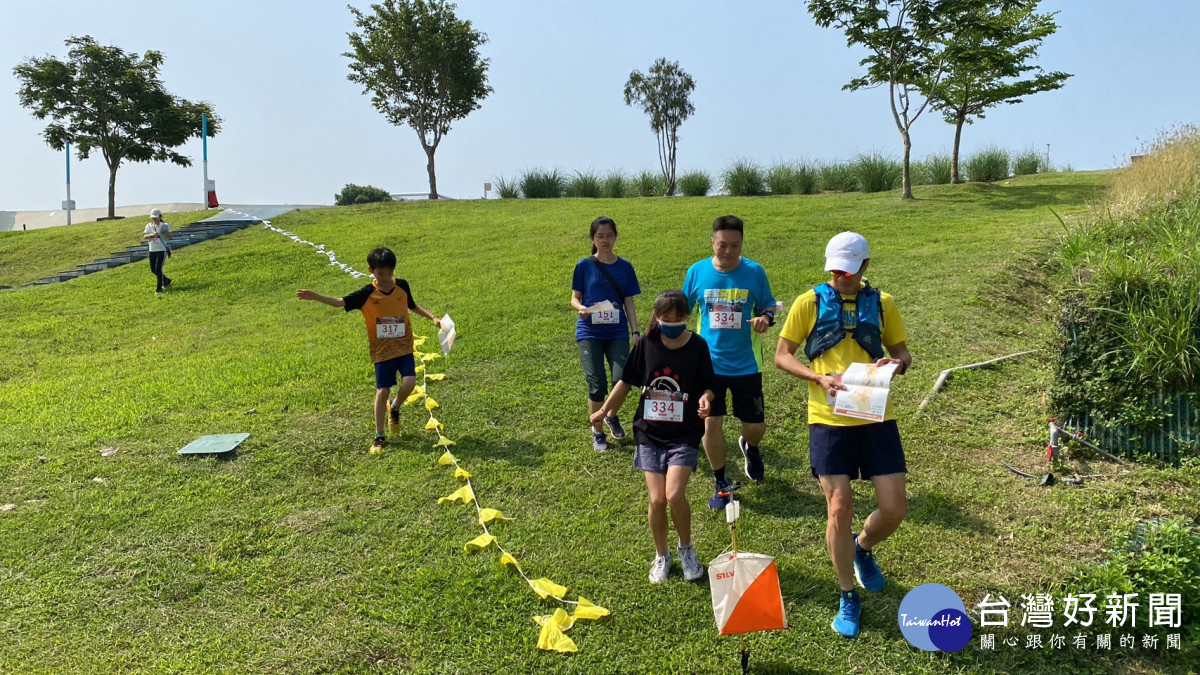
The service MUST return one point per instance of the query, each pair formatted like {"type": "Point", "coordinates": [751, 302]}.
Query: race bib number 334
{"type": "Point", "coordinates": [724, 317]}
{"type": "Point", "coordinates": [389, 327]}
{"type": "Point", "coordinates": [663, 406]}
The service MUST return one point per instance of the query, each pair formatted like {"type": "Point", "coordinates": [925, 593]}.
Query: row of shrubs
{"type": "Point", "coordinates": [874, 172]}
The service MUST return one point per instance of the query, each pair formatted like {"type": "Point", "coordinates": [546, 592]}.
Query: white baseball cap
{"type": "Point", "coordinates": [846, 252]}
{"type": "Point", "coordinates": [156, 213]}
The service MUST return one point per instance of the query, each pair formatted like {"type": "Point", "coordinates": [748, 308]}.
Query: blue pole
{"type": "Point", "coordinates": [68, 182]}
{"type": "Point", "coordinates": [204, 142]}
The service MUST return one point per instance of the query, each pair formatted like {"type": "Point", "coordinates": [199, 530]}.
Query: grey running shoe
{"type": "Point", "coordinates": [693, 570]}
{"type": "Point", "coordinates": [599, 441]}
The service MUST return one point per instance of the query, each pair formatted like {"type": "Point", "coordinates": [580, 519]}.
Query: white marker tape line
{"type": "Point", "coordinates": [320, 249]}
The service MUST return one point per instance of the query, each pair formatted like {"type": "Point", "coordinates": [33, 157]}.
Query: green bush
{"type": "Point", "coordinates": [987, 165]}
{"type": "Point", "coordinates": [1159, 556]}
{"type": "Point", "coordinates": [585, 184]}
{"type": "Point", "coordinates": [616, 185]}
{"type": "Point", "coordinates": [360, 194]}
{"type": "Point", "coordinates": [744, 179]}
{"type": "Point", "coordinates": [507, 188]}
{"type": "Point", "coordinates": [1029, 161]}
{"type": "Point", "coordinates": [806, 176]}
{"type": "Point", "coordinates": [781, 179]}
{"type": "Point", "coordinates": [877, 172]}
{"type": "Point", "coordinates": [695, 184]}
{"type": "Point", "coordinates": [650, 184]}
{"type": "Point", "coordinates": [540, 184]}
{"type": "Point", "coordinates": [837, 177]}
{"type": "Point", "coordinates": [933, 170]}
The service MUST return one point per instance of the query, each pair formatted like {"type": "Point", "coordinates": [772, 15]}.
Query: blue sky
{"type": "Point", "coordinates": [768, 88]}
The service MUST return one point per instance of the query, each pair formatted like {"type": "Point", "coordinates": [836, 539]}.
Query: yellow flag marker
{"type": "Point", "coordinates": [419, 341]}
{"type": "Point", "coordinates": [481, 542]}
{"type": "Point", "coordinates": [461, 473]}
{"type": "Point", "coordinates": [443, 442]}
{"type": "Point", "coordinates": [417, 395]}
{"type": "Point", "coordinates": [446, 459]}
{"type": "Point", "coordinates": [419, 369]}
{"type": "Point", "coordinates": [463, 494]}
{"type": "Point", "coordinates": [559, 617]}
{"type": "Point", "coordinates": [430, 404]}
{"type": "Point", "coordinates": [553, 639]}
{"type": "Point", "coordinates": [436, 377]}
{"type": "Point", "coordinates": [544, 588]}
{"type": "Point", "coordinates": [507, 559]}
{"type": "Point", "coordinates": [586, 610]}
{"type": "Point", "coordinates": [430, 356]}
{"type": "Point", "coordinates": [432, 424]}
{"type": "Point", "coordinates": [488, 515]}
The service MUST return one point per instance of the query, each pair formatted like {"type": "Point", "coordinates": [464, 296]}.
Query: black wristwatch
{"type": "Point", "coordinates": [770, 317]}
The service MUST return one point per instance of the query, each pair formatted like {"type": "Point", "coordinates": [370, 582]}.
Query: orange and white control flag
{"type": "Point", "coordinates": [745, 593]}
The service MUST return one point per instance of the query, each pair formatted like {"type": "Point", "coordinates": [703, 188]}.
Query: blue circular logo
{"type": "Point", "coordinates": [932, 617]}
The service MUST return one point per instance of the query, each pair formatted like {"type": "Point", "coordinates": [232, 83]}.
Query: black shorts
{"type": "Point", "coordinates": [861, 451]}
{"type": "Point", "coordinates": [747, 397]}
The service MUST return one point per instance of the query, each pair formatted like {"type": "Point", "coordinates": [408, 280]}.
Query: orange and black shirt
{"type": "Point", "coordinates": [389, 329]}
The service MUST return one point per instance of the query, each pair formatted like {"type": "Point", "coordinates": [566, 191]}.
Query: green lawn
{"type": "Point", "coordinates": [304, 553]}
{"type": "Point", "coordinates": [26, 257]}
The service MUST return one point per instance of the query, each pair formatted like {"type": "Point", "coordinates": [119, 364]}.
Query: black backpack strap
{"type": "Point", "coordinates": [607, 275]}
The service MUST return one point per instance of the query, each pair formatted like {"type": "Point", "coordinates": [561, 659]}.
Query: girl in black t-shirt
{"type": "Point", "coordinates": [672, 367]}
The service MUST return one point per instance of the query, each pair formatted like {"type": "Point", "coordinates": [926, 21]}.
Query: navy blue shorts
{"type": "Point", "coordinates": [861, 451]}
{"type": "Point", "coordinates": [385, 371]}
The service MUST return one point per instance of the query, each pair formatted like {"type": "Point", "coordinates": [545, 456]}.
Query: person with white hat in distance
{"type": "Point", "coordinates": [155, 230]}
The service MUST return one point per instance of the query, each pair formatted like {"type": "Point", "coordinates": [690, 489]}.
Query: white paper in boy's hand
{"type": "Point", "coordinates": [602, 306]}
{"type": "Point", "coordinates": [446, 334]}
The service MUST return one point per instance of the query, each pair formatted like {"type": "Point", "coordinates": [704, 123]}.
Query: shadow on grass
{"type": "Point", "coordinates": [516, 452]}
{"type": "Point", "coordinates": [935, 508]}
{"type": "Point", "coordinates": [1018, 197]}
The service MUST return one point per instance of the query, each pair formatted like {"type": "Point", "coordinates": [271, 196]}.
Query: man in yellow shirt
{"type": "Point", "coordinates": [839, 323]}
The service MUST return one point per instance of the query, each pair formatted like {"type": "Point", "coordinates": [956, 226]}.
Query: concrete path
{"type": "Point", "coordinates": [36, 220]}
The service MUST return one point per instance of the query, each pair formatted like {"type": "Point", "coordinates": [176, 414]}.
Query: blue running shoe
{"type": "Point", "coordinates": [718, 500]}
{"type": "Point", "coordinates": [599, 441]}
{"type": "Point", "coordinates": [865, 570]}
{"type": "Point", "coordinates": [846, 621]}
{"type": "Point", "coordinates": [614, 426]}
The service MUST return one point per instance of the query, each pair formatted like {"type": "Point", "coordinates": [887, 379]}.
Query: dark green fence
{"type": "Point", "coordinates": [1177, 437]}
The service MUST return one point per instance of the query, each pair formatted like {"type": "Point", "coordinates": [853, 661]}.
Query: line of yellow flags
{"type": "Point", "coordinates": [553, 626]}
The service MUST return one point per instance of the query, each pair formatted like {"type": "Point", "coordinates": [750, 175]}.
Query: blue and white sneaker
{"type": "Point", "coordinates": [849, 609]}
{"type": "Point", "coordinates": [865, 570]}
{"type": "Point", "coordinates": [614, 427]}
{"type": "Point", "coordinates": [599, 441]}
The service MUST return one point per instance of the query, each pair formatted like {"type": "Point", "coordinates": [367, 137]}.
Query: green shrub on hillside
{"type": "Point", "coordinates": [541, 184]}
{"type": "Point", "coordinates": [744, 179]}
{"type": "Point", "coordinates": [650, 184]}
{"type": "Point", "coordinates": [695, 184]}
{"type": "Point", "coordinates": [877, 172]}
{"type": "Point", "coordinates": [507, 188]}
{"type": "Point", "coordinates": [1028, 161]}
{"type": "Point", "coordinates": [360, 194]}
{"type": "Point", "coordinates": [933, 170]}
{"type": "Point", "coordinates": [781, 179]}
{"type": "Point", "coordinates": [616, 185]}
{"type": "Point", "coordinates": [585, 184]}
{"type": "Point", "coordinates": [987, 165]}
{"type": "Point", "coordinates": [837, 177]}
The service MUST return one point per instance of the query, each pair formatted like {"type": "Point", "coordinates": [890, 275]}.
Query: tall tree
{"type": "Point", "coordinates": [664, 95]}
{"type": "Point", "coordinates": [904, 51]}
{"type": "Point", "coordinates": [988, 63]}
{"type": "Point", "coordinates": [422, 67]}
{"type": "Point", "coordinates": [101, 97]}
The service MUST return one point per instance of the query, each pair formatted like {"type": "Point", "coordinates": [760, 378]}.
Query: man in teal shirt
{"type": "Point", "coordinates": [735, 307]}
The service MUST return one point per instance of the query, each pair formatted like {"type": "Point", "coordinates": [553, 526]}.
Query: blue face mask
{"type": "Point", "coordinates": [672, 330]}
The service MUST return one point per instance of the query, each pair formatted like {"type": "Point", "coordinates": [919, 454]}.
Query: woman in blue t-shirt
{"type": "Point", "coordinates": [602, 292]}
{"type": "Point", "coordinates": [672, 368]}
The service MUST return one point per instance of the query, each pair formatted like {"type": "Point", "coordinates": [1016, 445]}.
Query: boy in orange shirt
{"type": "Point", "coordinates": [385, 306]}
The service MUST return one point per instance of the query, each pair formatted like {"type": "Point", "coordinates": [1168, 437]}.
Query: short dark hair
{"type": "Point", "coordinates": [729, 223]}
{"type": "Point", "coordinates": [381, 258]}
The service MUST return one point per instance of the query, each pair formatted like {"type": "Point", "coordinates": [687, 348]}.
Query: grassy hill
{"type": "Point", "coordinates": [304, 553]}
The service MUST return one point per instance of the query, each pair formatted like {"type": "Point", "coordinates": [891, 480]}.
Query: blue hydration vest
{"type": "Point", "coordinates": [830, 328]}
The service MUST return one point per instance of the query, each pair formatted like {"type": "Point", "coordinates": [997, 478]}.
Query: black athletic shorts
{"type": "Point", "coordinates": [747, 397]}
{"type": "Point", "coordinates": [861, 451]}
